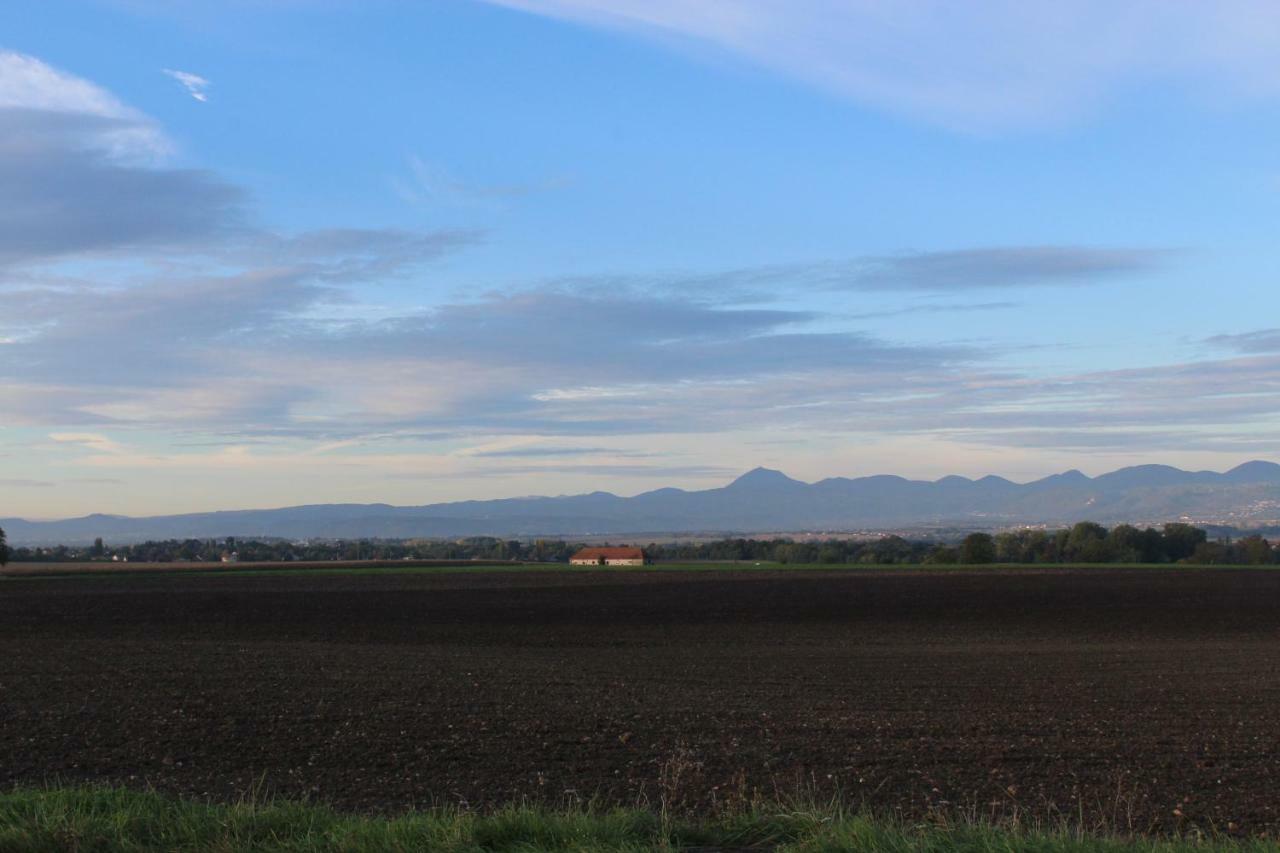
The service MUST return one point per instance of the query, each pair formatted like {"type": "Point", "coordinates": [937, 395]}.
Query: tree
{"type": "Point", "coordinates": [1055, 550]}
{"type": "Point", "coordinates": [1037, 547]}
{"type": "Point", "coordinates": [1254, 551]}
{"type": "Point", "coordinates": [4, 548]}
{"type": "Point", "coordinates": [978, 548]}
{"type": "Point", "coordinates": [1125, 543]}
{"type": "Point", "coordinates": [1210, 554]}
{"type": "Point", "coordinates": [1086, 543]}
{"type": "Point", "coordinates": [1152, 547]}
{"type": "Point", "coordinates": [797, 553]}
{"type": "Point", "coordinates": [98, 548]}
{"type": "Point", "coordinates": [830, 553]}
{"type": "Point", "coordinates": [1181, 540]}
{"type": "Point", "coordinates": [943, 555]}
{"type": "Point", "coordinates": [1009, 547]}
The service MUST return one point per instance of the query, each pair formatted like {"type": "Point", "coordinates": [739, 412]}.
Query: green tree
{"type": "Point", "coordinates": [1151, 546]}
{"type": "Point", "coordinates": [1125, 543]}
{"type": "Point", "coordinates": [98, 548]}
{"type": "Point", "coordinates": [978, 548]}
{"type": "Point", "coordinates": [1181, 540]}
{"type": "Point", "coordinates": [1254, 551]}
{"type": "Point", "coordinates": [1009, 547]}
{"type": "Point", "coordinates": [830, 553]}
{"type": "Point", "coordinates": [942, 554]}
{"type": "Point", "coordinates": [1210, 554]}
{"type": "Point", "coordinates": [1086, 543]}
{"type": "Point", "coordinates": [798, 553]}
{"type": "Point", "coordinates": [1055, 550]}
{"type": "Point", "coordinates": [4, 548]}
{"type": "Point", "coordinates": [1037, 547]}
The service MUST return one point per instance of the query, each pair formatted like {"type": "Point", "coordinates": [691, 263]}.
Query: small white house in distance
{"type": "Point", "coordinates": [608, 557]}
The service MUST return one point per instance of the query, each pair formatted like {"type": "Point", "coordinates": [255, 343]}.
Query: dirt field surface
{"type": "Point", "coordinates": [104, 567]}
{"type": "Point", "coordinates": [1148, 699]}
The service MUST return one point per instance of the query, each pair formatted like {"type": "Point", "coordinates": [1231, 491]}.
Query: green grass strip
{"type": "Point", "coordinates": [708, 567]}
{"type": "Point", "coordinates": [112, 819]}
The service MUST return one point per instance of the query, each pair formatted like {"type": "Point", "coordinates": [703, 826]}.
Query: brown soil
{"type": "Point", "coordinates": [105, 567]}
{"type": "Point", "coordinates": [1147, 699]}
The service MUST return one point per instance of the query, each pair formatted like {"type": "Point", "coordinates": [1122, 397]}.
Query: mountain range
{"type": "Point", "coordinates": [762, 500]}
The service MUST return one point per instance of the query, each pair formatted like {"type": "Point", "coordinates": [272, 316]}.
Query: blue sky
{"type": "Point", "coordinates": [265, 253]}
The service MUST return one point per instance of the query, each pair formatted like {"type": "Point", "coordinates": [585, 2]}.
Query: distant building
{"type": "Point", "coordinates": [609, 557]}
{"type": "Point", "coordinates": [230, 557]}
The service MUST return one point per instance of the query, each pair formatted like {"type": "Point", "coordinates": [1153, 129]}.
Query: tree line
{"type": "Point", "coordinates": [280, 550]}
{"type": "Point", "coordinates": [1086, 542]}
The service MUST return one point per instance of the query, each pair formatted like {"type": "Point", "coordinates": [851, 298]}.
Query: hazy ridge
{"type": "Point", "coordinates": [760, 500]}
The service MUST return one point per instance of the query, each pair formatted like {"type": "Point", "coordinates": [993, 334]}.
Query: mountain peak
{"type": "Point", "coordinates": [1256, 471]}
{"type": "Point", "coordinates": [1074, 477]}
{"type": "Point", "coordinates": [1148, 476]}
{"type": "Point", "coordinates": [763, 478]}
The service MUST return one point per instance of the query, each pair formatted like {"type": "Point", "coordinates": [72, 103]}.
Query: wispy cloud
{"type": "Point", "coordinates": [1264, 340]}
{"type": "Point", "coordinates": [20, 483]}
{"type": "Point", "coordinates": [977, 67]}
{"type": "Point", "coordinates": [539, 452]}
{"type": "Point", "coordinates": [1003, 267]}
{"type": "Point", "coordinates": [934, 308]}
{"type": "Point", "coordinates": [193, 83]}
{"type": "Point", "coordinates": [428, 182]}
{"type": "Point", "coordinates": [89, 441]}
{"type": "Point", "coordinates": [602, 470]}
{"type": "Point", "coordinates": [1087, 441]}
{"type": "Point", "coordinates": [496, 361]}
{"type": "Point", "coordinates": [939, 271]}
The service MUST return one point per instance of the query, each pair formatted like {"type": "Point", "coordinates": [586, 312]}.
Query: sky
{"type": "Point", "coordinates": [269, 253]}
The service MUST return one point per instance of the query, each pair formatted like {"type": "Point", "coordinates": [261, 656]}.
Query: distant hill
{"type": "Point", "coordinates": [758, 501]}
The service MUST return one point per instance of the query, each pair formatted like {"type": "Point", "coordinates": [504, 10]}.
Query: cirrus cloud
{"type": "Point", "coordinates": [984, 66]}
{"type": "Point", "coordinates": [193, 83]}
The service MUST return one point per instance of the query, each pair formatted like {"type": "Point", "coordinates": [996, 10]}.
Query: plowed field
{"type": "Point", "coordinates": [1146, 699]}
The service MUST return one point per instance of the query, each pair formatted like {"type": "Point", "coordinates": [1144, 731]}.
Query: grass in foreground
{"type": "Point", "coordinates": [120, 820]}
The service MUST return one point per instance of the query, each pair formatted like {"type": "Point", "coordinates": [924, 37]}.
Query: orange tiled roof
{"type": "Point", "coordinates": [609, 554]}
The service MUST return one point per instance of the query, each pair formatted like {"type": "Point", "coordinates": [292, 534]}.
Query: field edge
{"type": "Point", "coordinates": [116, 571]}
{"type": "Point", "coordinates": [120, 819]}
